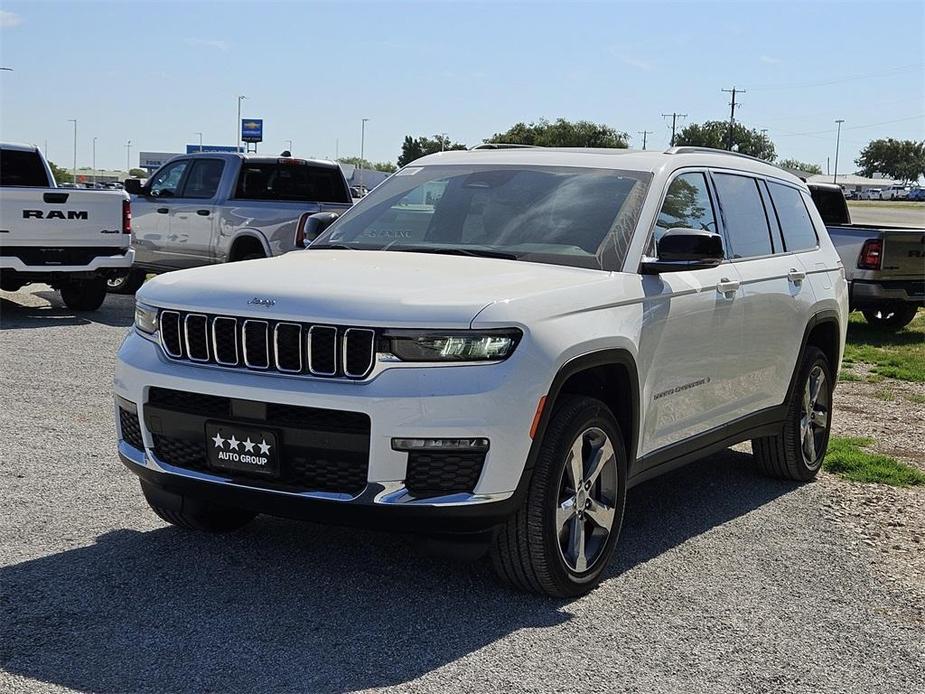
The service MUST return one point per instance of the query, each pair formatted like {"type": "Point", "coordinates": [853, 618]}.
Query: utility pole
{"type": "Point", "coordinates": [128, 156]}
{"type": "Point", "coordinates": [94, 162]}
{"type": "Point", "coordinates": [74, 174]}
{"type": "Point", "coordinates": [732, 113]}
{"type": "Point", "coordinates": [674, 123]}
{"type": "Point", "coordinates": [238, 125]}
{"type": "Point", "coordinates": [644, 133]}
{"type": "Point", "coordinates": [200, 140]}
{"type": "Point", "coordinates": [362, 144]}
{"type": "Point", "coordinates": [290, 146]}
{"type": "Point", "coordinates": [837, 142]}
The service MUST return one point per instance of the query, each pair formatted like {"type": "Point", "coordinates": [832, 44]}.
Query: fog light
{"type": "Point", "coordinates": [477, 444]}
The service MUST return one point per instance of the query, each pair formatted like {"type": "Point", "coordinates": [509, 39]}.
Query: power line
{"type": "Point", "coordinates": [732, 113]}
{"type": "Point", "coordinates": [855, 78]}
{"type": "Point", "coordinates": [674, 122]}
{"type": "Point", "coordinates": [644, 133]}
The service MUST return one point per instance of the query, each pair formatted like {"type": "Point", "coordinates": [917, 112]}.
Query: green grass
{"type": "Point", "coordinates": [847, 458]}
{"type": "Point", "coordinates": [846, 375]}
{"type": "Point", "coordinates": [909, 204]}
{"type": "Point", "coordinates": [884, 394]}
{"type": "Point", "coordinates": [916, 398]}
{"type": "Point", "coordinates": [892, 355]}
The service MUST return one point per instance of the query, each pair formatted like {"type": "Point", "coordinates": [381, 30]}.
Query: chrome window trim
{"type": "Point", "coordinates": [266, 335]}
{"type": "Point", "coordinates": [372, 352]}
{"type": "Point", "coordinates": [160, 326]}
{"type": "Point", "coordinates": [186, 336]}
{"type": "Point", "coordinates": [276, 348]}
{"type": "Point", "coordinates": [308, 344]}
{"type": "Point", "coordinates": [234, 332]}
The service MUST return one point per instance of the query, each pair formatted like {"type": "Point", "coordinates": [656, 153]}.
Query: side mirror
{"type": "Point", "coordinates": [133, 186]}
{"type": "Point", "coordinates": [318, 222]}
{"type": "Point", "coordinates": [686, 249]}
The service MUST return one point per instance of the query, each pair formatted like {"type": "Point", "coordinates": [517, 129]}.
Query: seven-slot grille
{"type": "Point", "coordinates": [266, 345]}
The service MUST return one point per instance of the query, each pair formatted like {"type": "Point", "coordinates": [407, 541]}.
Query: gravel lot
{"type": "Point", "coordinates": [725, 581]}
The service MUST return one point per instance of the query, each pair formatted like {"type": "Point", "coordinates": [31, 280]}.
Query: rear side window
{"type": "Point", "coordinates": [299, 182]}
{"type": "Point", "coordinates": [203, 178]}
{"type": "Point", "coordinates": [22, 169]}
{"type": "Point", "coordinates": [795, 222]}
{"type": "Point", "coordinates": [743, 214]}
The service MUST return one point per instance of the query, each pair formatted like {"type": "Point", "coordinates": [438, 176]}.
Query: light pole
{"type": "Point", "coordinates": [290, 145]}
{"type": "Point", "coordinates": [362, 146]}
{"type": "Point", "coordinates": [74, 121]}
{"type": "Point", "coordinates": [837, 142]}
{"type": "Point", "coordinates": [238, 126]}
{"type": "Point", "coordinates": [200, 140]}
{"type": "Point", "coordinates": [128, 157]}
{"type": "Point", "coordinates": [94, 162]}
{"type": "Point", "coordinates": [443, 142]}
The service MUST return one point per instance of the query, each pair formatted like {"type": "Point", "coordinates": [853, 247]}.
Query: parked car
{"type": "Point", "coordinates": [497, 366]}
{"type": "Point", "coordinates": [916, 194]}
{"type": "Point", "coordinates": [869, 194]}
{"type": "Point", "coordinates": [201, 209]}
{"type": "Point", "coordinates": [885, 265]}
{"type": "Point", "coordinates": [69, 238]}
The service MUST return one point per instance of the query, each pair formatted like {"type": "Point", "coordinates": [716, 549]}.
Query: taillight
{"type": "Point", "coordinates": [300, 230]}
{"type": "Point", "coordinates": [871, 253]}
{"type": "Point", "coordinates": [126, 217]}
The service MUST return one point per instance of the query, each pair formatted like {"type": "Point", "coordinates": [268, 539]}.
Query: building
{"type": "Point", "coordinates": [853, 182]}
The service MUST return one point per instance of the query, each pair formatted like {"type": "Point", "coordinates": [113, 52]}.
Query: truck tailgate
{"type": "Point", "coordinates": [61, 217]}
{"type": "Point", "coordinates": [903, 253]}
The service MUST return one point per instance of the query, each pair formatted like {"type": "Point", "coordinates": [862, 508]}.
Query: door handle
{"type": "Point", "coordinates": [162, 210]}
{"type": "Point", "coordinates": [796, 276]}
{"type": "Point", "coordinates": [727, 286]}
{"type": "Point", "coordinates": [202, 213]}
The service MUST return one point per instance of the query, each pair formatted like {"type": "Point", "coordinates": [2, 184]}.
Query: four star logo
{"type": "Point", "coordinates": [248, 444]}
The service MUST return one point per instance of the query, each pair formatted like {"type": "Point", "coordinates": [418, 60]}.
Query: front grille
{"type": "Point", "coordinates": [265, 345]}
{"type": "Point", "coordinates": [131, 429]}
{"type": "Point", "coordinates": [322, 450]}
{"type": "Point", "coordinates": [435, 473]}
{"type": "Point", "coordinates": [36, 255]}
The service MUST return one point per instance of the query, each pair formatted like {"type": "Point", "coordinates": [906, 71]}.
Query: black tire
{"type": "Point", "coordinates": [526, 551]}
{"type": "Point", "coordinates": [201, 515]}
{"type": "Point", "coordinates": [785, 455]}
{"type": "Point", "coordinates": [891, 317]}
{"type": "Point", "coordinates": [129, 283]}
{"type": "Point", "coordinates": [252, 256]}
{"type": "Point", "coordinates": [84, 295]}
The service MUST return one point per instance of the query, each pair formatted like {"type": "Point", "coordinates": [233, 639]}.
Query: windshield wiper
{"type": "Point", "coordinates": [473, 252]}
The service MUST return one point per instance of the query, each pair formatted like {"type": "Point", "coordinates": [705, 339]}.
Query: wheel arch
{"type": "Point", "coordinates": [245, 240]}
{"type": "Point", "coordinates": [822, 331]}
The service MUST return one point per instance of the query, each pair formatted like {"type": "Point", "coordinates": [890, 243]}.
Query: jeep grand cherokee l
{"type": "Point", "coordinates": [495, 345]}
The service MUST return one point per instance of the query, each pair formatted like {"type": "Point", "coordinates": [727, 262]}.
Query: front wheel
{"type": "Point", "coordinates": [890, 317]}
{"type": "Point", "coordinates": [84, 295]}
{"type": "Point", "coordinates": [562, 538]}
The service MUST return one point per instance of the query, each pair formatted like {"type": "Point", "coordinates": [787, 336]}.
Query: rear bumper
{"type": "Point", "coordinates": [868, 292]}
{"type": "Point", "coordinates": [121, 259]}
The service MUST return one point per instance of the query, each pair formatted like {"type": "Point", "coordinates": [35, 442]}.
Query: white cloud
{"type": "Point", "coordinates": [770, 60]}
{"type": "Point", "coordinates": [9, 19]}
{"type": "Point", "coordinates": [217, 44]}
{"type": "Point", "coordinates": [640, 64]}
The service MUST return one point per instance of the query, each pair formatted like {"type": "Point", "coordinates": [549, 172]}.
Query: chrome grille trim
{"type": "Point", "coordinates": [311, 331]}
{"type": "Point", "coordinates": [266, 343]}
{"type": "Point", "coordinates": [276, 347]}
{"type": "Point", "coordinates": [372, 351]}
{"type": "Point", "coordinates": [172, 316]}
{"type": "Point", "coordinates": [205, 329]}
{"type": "Point", "coordinates": [234, 331]}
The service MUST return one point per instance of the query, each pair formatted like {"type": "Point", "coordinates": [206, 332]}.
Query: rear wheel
{"type": "Point", "coordinates": [562, 538]}
{"type": "Point", "coordinates": [796, 453]}
{"type": "Point", "coordinates": [84, 295]}
{"type": "Point", "coordinates": [198, 515]}
{"type": "Point", "coordinates": [129, 283]}
{"type": "Point", "coordinates": [890, 317]}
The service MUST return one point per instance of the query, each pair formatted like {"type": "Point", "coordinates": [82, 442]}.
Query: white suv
{"type": "Point", "coordinates": [493, 346]}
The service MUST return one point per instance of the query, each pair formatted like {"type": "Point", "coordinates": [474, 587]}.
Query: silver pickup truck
{"type": "Point", "coordinates": [885, 265]}
{"type": "Point", "coordinates": [207, 208]}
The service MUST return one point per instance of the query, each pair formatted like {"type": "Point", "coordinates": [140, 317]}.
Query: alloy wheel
{"type": "Point", "coordinates": [814, 416]}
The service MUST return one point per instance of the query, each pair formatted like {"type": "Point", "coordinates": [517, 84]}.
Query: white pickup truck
{"type": "Point", "coordinates": [73, 240]}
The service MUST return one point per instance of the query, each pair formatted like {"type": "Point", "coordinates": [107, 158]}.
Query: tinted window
{"type": "Point", "coordinates": [566, 216]}
{"type": "Point", "coordinates": [743, 214]}
{"type": "Point", "coordinates": [167, 180]}
{"type": "Point", "coordinates": [295, 181]}
{"type": "Point", "coordinates": [795, 221]}
{"type": "Point", "coordinates": [22, 169]}
{"type": "Point", "coordinates": [687, 205]}
{"type": "Point", "coordinates": [203, 179]}
{"type": "Point", "coordinates": [831, 205]}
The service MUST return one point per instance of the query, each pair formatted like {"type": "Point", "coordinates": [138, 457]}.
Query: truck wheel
{"type": "Point", "coordinates": [891, 317]}
{"type": "Point", "coordinates": [84, 295]}
{"type": "Point", "coordinates": [200, 515]}
{"type": "Point", "coordinates": [562, 538]}
{"type": "Point", "coordinates": [796, 453]}
{"type": "Point", "coordinates": [129, 283]}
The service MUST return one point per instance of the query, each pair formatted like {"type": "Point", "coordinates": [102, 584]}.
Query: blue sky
{"type": "Point", "coordinates": [157, 73]}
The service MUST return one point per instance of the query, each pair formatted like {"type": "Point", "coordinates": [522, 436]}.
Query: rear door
{"type": "Point", "coordinates": [192, 213]}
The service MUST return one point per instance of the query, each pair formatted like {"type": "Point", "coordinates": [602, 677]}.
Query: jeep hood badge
{"type": "Point", "coordinates": [257, 301]}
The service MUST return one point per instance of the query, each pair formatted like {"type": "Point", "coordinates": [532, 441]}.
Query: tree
{"type": "Point", "coordinates": [715, 134]}
{"type": "Point", "coordinates": [137, 173]}
{"type": "Point", "coordinates": [903, 160]}
{"type": "Point", "coordinates": [61, 175]}
{"type": "Point", "coordinates": [562, 133]}
{"type": "Point", "coordinates": [386, 166]}
{"type": "Point", "coordinates": [797, 165]}
{"type": "Point", "coordinates": [416, 147]}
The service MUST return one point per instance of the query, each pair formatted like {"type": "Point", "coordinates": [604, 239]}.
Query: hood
{"type": "Point", "coordinates": [352, 287]}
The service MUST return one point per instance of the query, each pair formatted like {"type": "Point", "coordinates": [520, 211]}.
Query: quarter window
{"type": "Point", "coordinates": [167, 180]}
{"type": "Point", "coordinates": [687, 205]}
{"type": "Point", "coordinates": [743, 214]}
{"type": "Point", "coordinates": [795, 222]}
{"type": "Point", "coordinates": [203, 179]}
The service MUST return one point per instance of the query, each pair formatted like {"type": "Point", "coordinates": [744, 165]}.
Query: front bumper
{"type": "Point", "coordinates": [487, 401]}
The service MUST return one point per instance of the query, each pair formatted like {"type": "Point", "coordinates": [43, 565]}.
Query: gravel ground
{"type": "Point", "coordinates": [724, 582]}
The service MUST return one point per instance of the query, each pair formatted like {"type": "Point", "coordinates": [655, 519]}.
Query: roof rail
{"type": "Point", "coordinates": [711, 150]}
{"type": "Point", "coordinates": [502, 145]}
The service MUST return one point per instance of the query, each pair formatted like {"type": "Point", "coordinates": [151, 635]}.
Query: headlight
{"type": "Point", "coordinates": [145, 318]}
{"type": "Point", "coordinates": [452, 345]}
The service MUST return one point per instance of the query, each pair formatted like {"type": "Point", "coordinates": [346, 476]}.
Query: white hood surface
{"type": "Point", "coordinates": [353, 287]}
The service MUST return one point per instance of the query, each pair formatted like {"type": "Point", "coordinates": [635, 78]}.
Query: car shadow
{"type": "Point", "coordinates": [286, 606]}
{"type": "Point", "coordinates": [117, 311]}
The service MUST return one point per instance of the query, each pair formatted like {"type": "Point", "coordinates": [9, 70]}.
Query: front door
{"type": "Point", "coordinates": [192, 215]}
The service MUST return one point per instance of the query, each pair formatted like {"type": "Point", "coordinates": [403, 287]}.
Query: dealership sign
{"type": "Point", "coordinates": [252, 129]}
{"type": "Point", "coordinates": [192, 149]}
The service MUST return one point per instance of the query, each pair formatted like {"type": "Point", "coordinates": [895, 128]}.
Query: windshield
{"type": "Point", "coordinates": [563, 215]}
